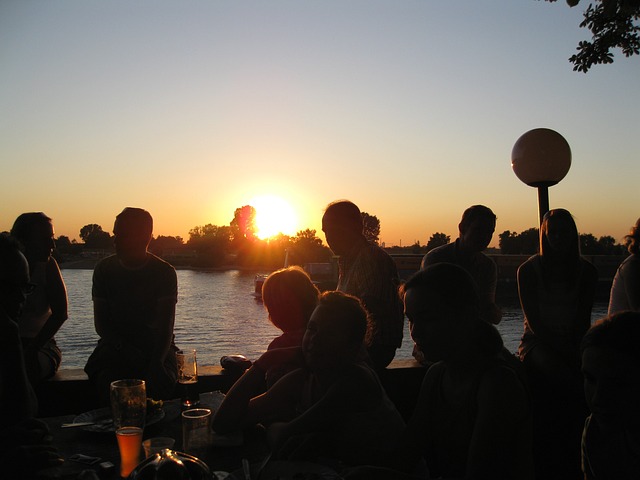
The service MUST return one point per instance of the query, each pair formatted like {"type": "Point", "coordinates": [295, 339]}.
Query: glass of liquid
{"type": "Point", "coordinates": [129, 409]}
{"type": "Point", "coordinates": [188, 378]}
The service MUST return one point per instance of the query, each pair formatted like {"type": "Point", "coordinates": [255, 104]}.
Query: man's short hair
{"type": "Point", "coordinates": [137, 218]}
{"type": "Point", "coordinates": [476, 212]}
{"type": "Point", "coordinates": [344, 213]}
{"type": "Point", "coordinates": [26, 223]}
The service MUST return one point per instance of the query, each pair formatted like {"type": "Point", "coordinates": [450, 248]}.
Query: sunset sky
{"type": "Point", "coordinates": [191, 109]}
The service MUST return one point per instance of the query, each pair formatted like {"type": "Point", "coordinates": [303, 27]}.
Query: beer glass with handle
{"type": "Point", "coordinates": [188, 377]}
{"type": "Point", "coordinates": [129, 408]}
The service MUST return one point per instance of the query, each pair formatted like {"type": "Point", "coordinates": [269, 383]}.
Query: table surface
{"type": "Point", "coordinates": [221, 456]}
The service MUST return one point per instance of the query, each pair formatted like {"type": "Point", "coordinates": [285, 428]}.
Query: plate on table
{"type": "Point", "coordinates": [103, 421]}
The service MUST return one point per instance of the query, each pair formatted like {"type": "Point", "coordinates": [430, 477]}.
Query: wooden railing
{"type": "Point", "coordinates": [69, 391]}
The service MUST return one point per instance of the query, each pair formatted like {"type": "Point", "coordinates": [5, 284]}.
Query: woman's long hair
{"type": "Point", "coordinates": [548, 255]}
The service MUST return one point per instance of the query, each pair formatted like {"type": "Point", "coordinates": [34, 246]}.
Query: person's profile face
{"type": "Point", "coordinates": [40, 244]}
{"type": "Point", "coordinates": [430, 323]}
{"type": "Point", "coordinates": [611, 385]}
{"type": "Point", "coordinates": [337, 235]}
{"type": "Point", "coordinates": [323, 345]}
{"type": "Point", "coordinates": [14, 284]}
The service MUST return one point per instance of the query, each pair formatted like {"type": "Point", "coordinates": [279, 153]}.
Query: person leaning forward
{"type": "Point", "coordinates": [367, 272]}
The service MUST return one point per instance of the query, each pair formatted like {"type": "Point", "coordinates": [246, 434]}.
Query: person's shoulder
{"type": "Point", "coordinates": [501, 381]}
{"type": "Point", "coordinates": [438, 253]}
{"type": "Point", "coordinates": [529, 264]}
{"type": "Point", "coordinates": [589, 268]}
{"type": "Point", "coordinates": [359, 378]}
{"type": "Point", "coordinates": [160, 264]}
{"type": "Point", "coordinates": [632, 261]}
{"type": "Point", "coordinates": [376, 253]}
{"type": "Point", "coordinates": [107, 263]}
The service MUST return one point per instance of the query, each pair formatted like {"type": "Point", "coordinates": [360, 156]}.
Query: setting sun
{"type": "Point", "coordinates": [273, 216]}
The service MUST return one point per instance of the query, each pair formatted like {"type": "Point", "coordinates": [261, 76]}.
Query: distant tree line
{"type": "Point", "coordinates": [237, 244]}
{"type": "Point", "coordinates": [528, 241]}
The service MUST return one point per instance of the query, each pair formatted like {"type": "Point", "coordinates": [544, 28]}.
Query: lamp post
{"type": "Point", "coordinates": [541, 158]}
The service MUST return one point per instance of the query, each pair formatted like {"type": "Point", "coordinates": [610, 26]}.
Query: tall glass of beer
{"type": "Point", "coordinates": [129, 408]}
{"type": "Point", "coordinates": [188, 377]}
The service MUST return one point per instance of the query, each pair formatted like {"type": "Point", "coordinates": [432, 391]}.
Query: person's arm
{"type": "Point", "coordinates": [101, 317]}
{"type": "Point", "coordinates": [233, 413]}
{"type": "Point", "coordinates": [165, 318]}
{"type": "Point", "coordinates": [631, 275]}
{"type": "Point", "coordinates": [501, 429]}
{"type": "Point", "coordinates": [528, 292]}
{"type": "Point", "coordinates": [57, 297]}
{"type": "Point", "coordinates": [413, 443]}
{"type": "Point", "coordinates": [17, 399]}
{"type": "Point", "coordinates": [328, 415]}
{"type": "Point", "coordinates": [101, 314]}
{"type": "Point", "coordinates": [492, 312]}
{"type": "Point", "coordinates": [588, 284]}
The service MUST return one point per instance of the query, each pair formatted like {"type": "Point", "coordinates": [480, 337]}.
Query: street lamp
{"type": "Point", "coordinates": [541, 158]}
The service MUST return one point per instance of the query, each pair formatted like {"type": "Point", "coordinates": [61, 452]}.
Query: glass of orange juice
{"type": "Point", "coordinates": [129, 408]}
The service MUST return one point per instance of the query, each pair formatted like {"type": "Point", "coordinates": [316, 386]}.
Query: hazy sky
{"type": "Point", "coordinates": [408, 108]}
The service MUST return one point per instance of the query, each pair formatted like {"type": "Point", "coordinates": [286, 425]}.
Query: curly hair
{"type": "Point", "coordinates": [633, 239]}
{"type": "Point", "coordinates": [620, 332]}
{"type": "Point", "coordinates": [349, 314]}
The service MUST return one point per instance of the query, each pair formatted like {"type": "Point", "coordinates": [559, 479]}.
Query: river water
{"type": "Point", "coordinates": [217, 315]}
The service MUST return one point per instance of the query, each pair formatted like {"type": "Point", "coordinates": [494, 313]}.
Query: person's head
{"type": "Point", "coordinates": [443, 308]}
{"type": "Point", "coordinates": [290, 297]}
{"type": "Point", "coordinates": [610, 365]}
{"type": "Point", "coordinates": [132, 232]}
{"type": "Point", "coordinates": [476, 228]}
{"type": "Point", "coordinates": [14, 277]}
{"type": "Point", "coordinates": [342, 226]}
{"type": "Point", "coordinates": [559, 235]}
{"type": "Point", "coordinates": [633, 239]}
{"type": "Point", "coordinates": [34, 230]}
{"type": "Point", "coordinates": [335, 332]}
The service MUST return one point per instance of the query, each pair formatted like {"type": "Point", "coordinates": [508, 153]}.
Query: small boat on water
{"type": "Point", "coordinates": [258, 281]}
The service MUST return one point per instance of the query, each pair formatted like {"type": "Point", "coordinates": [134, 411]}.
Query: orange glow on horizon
{"type": "Point", "coordinates": [274, 215]}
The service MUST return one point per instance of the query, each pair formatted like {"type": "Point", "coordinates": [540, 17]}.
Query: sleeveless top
{"type": "Point", "coordinates": [36, 310]}
{"type": "Point", "coordinates": [618, 298]}
{"type": "Point", "coordinates": [558, 306]}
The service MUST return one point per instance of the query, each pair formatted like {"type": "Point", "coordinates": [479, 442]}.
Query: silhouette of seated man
{"type": "Point", "coordinates": [475, 232]}
{"type": "Point", "coordinates": [25, 442]}
{"type": "Point", "coordinates": [610, 364]}
{"type": "Point", "coordinates": [134, 299]}
{"type": "Point", "coordinates": [46, 308]}
{"type": "Point", "coordinates": [332, 408]}
{"type": "Point", "coordinates": [367, 272]}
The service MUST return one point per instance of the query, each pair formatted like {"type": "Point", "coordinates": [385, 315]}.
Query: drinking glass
{"type": "Point", "coordinates": [196, 431]}
{"type": "Point", "coordinates": [129, 408]}
{"type": "Point", "coordinates": [188, 377]}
